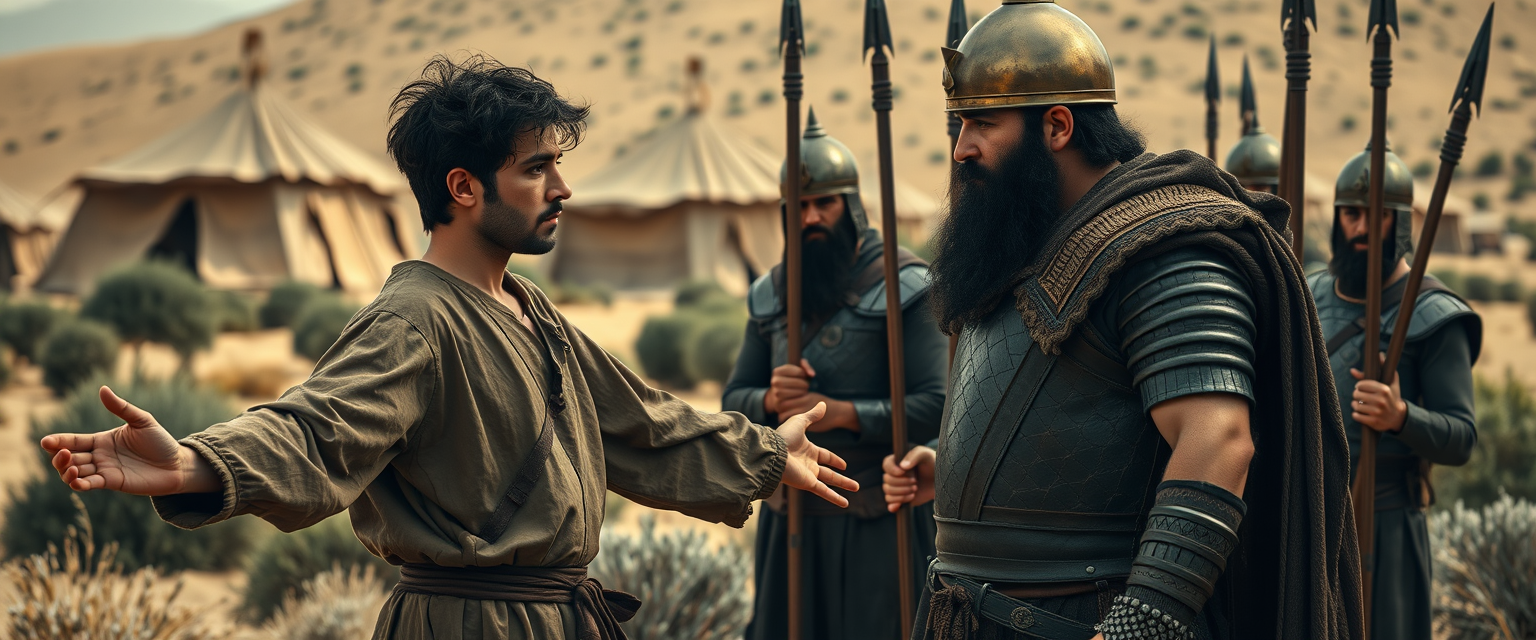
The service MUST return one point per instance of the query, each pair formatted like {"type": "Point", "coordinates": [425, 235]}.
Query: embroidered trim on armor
{"type": "Point", "coordinates": [1054, 298]}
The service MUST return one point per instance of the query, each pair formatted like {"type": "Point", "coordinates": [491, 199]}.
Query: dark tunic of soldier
{"type": "Point", "coordinates": [1435, 387]}
{"type": "Point", "coordinates": [849, 583]}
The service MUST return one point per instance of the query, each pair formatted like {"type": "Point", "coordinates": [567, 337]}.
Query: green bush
{"type": "Point", "coordinates": [711, 352]}
{"type": "Point", "coordinates": [319, 324]}
{"type": "Point", "coordinates": [234, 311]}
{"type": "Point", "coordinates": [1490, 165]}
{"type": "Point", "coordinates": [1511, 291]}
{"type": "Point", "coordinates": [690, 589]}
{"type": "Point", "coordinates": [697, 292]}
{"type": "Point", "coordinates": [155, 302]}
{"type": "Point", "coordinates": [40, 510]}
{"type": "Point", "coordinates": [286, 561]}
{"type": "Point", "coordinates": [1506, 444]}
{"type": "Point", "coordinates": [660, 348]}
{"type": "Point", "coordinates": [76, 351]}
{"type": "Point", "coordinates": [1485, 570]}
{"type": "Point", "coordinates": [285, 302]}
{"type": "Point", "coordinates": [581, 294]}
{"type": "Point", "coordinates": [23, 325]}
{"type": "Point", "coordinates": [1479, 287]}
{"type": "Point", "coordinates": [1451, 279]}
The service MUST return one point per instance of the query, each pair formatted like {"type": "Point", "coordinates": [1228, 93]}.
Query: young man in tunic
{"type": "Point", "coordinates": [1425, 415]}
{"type": "Point", "coordinates": [470, 430]}
{"type": "Point", "coordinates": [1140, 439]}
{"type": "Point", "coordinates": [850, 587]}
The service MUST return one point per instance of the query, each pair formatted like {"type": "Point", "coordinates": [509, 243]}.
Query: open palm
{"type": "Point", "coordinates": [810, 467]}
{"type": "Point", "coordinates": [139, 457]}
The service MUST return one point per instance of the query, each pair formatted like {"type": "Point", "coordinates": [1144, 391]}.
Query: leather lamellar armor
{"type": "Point", "coordinates": [1048, 463]}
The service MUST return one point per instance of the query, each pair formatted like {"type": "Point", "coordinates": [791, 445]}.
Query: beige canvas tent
{"type": "Point", "coordinates": [27, 235]}
{"type": "Point", "coordinates": [694, 201]}
{"type": "Point", "coordinates": [249, 195]}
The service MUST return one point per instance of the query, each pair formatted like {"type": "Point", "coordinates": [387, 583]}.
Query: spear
{"type": "Point", "coordinates": [1294, 15]}
{"type": "Point", "coordinates": [958, 25]}
{"type": "Point", "coordinates": [792, 48]}
{"type": "Point", "coordinates": [1248, 104]}
{"type": "Point", "coordinates": [1383, 24]}
{"type": "Point", "coordinates": [1212, 101]}
{"type": "Point", "coordinates": [877, 37]}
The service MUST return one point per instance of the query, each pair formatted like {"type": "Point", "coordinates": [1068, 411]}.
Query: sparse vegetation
{"type": "Point", "coordinates": [284, 303]}
{"type": "Point", "coordinates": [1130, 22]}
{"type": "Point", "coordinates": [155, 302]}
{"type": "Point", "coordinates": [1423, 169]}
{"type": "Point", "coordinates": [234, 311]}
{"type": "Point", "coordinates": [1524, 180]}
{"type": "Point", "coordinates": [76, 351]}
{"type": "Point", "coordinates": [1490, 165]}
{"type": "Point", "coordinates": [1195, 32]}
{"type": "Point", "coordinates": [334, 605]}
{"type": "Point", "coordinates": [24, 324]}
{"type": "Point", "coordinates": [1147, 66]}
{"type": "Point", "coordinates": [1479, 287]}
{"type": "Point", "coordinates": [698, 341]}
{"type": "Point", "coordinates": [1481, 201]}
{"type": "Point", "coordinates": [1347, 123]}
{"type": "Point", "coordinates": [1506, 443]}
{"type": "Point", "coordinates": [1511, 291]}
{"type": "Point", "coordinates": [287, 561]}
{"type": "Point", "coordinates": [690, 589]}
{"type": "Point", "coordinates": [319, 324]}
{"type": "Point", "coordinates": [1485, 570]}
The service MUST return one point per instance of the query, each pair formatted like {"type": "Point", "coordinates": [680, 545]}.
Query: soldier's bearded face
{"type": "Point", "coordinates": [1350, 261]}
{"type": "Point", "coordinates": [830, 245]}
{"type": "Point", "coordinates": [996, 223]}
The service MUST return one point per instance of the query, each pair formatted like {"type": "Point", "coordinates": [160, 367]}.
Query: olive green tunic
{"type": "Point", "coordinates": [418, 419]}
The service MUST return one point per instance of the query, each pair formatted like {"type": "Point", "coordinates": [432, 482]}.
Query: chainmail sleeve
{"type": "Point", "coordinates": [1185, 322]}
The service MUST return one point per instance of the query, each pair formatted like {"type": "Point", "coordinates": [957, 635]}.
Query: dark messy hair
{"type": "Point", "coordinates": [1099, 133]}
{"type": "Point", "coordinates": [469, 114]}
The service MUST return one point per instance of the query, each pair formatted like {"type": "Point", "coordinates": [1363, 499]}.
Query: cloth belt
{"type": "Point", "coordinates": [598, 611]}
{"type": "Point", "coordinates": [1012, 613]}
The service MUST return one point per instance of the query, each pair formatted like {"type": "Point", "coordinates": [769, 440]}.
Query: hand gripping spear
{"type": "Point", "coordinates": [1383, 24]}
{"type": "Point", "coordinates": [1294, 15]}
{"type": "Point", "coordinates": [1212, 101]}
{"type": "Point", "coordinates": [877, 37]}
{"type": "Point", "coordinates": [792, 47]}
{"type": "Point", "coordinates": [958, 25]}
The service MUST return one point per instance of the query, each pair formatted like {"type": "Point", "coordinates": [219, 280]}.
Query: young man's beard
{"type": "Point", "coordinates": [514, 230]}
{"type": "Point", "coordinates": [826, 267]}
{"type": "Point", "coordinates": [1349, 265]}
{"type": "Point", "coordinates": [995, 224]}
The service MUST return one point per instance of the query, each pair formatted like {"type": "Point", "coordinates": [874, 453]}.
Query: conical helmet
{"type": "Point", "coordinates": [827, 167]}
{"type": "Point", "coordinates": [1353, 189]}
{"type": "Point", "coordinates": [1255, 159]}
{"type": "Point", "coordinates": [1028, 52]}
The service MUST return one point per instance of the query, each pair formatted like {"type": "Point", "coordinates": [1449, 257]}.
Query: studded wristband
{"type": "Point", "coordinates": [1191, 530]}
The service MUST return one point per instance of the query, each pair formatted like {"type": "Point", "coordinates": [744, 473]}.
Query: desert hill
{"type": "Point", "coordinates": [340, 61]}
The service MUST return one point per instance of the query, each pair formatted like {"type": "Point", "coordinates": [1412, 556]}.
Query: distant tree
{"type": "Point", "coordinates": [77, 351]}
{"type": "Point", "coordinates": [155, 302]}
{"type": "Point", "coordinates": [319, 324]}
{"type": "Point", "coordinates": [23, 325]}
{"type": "Point", "coordinates": [1491, 165]}
{"type": "Point", "coordinates": [284, 303]}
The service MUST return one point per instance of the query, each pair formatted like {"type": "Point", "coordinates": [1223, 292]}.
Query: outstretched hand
{"type": "Point", "coordinates": [139, 457]}
{"type": "Point", "coordinates": [809, 467]}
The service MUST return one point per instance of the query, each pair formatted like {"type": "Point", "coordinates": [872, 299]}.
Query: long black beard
{"type": "Point", "coordinates": [1350, 266]}
{"type": "Point", "coordinates": [996, 224]}
{"type": "Point", "coordinates": [826, 268]}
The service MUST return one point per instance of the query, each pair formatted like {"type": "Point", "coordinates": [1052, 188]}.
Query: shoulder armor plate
{"type": "Point", "coordinates": [1437, 308]}
{"type": "Point", "coordinates": [763, 302]}
{"type": "Point", "coordinates": [914, 283]}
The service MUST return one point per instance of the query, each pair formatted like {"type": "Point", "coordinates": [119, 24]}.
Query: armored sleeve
{"type": "Point", "coordinates": [1185, 323]}
{"type": "Point", "coordinates": [1440, 426]}
{"type": "Point", "coordinates": [750, 379]}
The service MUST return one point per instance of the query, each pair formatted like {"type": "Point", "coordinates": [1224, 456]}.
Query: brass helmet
{"type": "Point", "coordinates": [1353, 189]}
{"type": "Point", "coordinates": [1028, 52]}
{"type": "Point", "coordinates": [1255, 159]}
{"type": "Point", "coordinates": [827, 167]}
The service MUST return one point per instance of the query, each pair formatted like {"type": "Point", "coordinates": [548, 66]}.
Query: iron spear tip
{"type": "Point", "coordinates": [1469, 89]}
{"type": "Point", "coordinates": [1293, 12]}
{"type": "Point", "coordinates": [1383, 15]}
{"type": "Point", "coordinates": [959, 24]}
{"type": "Point", "coordinates": [791, 27]}
{"type": "Point", "coordinates": [1212, 76]}
{"type": "Point", "coordinates": [877, 27]}
{"type": "Point", "coordinates": [1249, 102]}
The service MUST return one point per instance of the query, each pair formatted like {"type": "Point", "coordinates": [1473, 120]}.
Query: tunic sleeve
{"type": "Point", "coordinates": [750, 379]}
{"type": "Point", "coordinates": [926, 356]}
{"type": "Point", "coordinates": [310, 454]}
{"type": "Point", "coordinates": [1441, 426]}
{"type": "Point", "coordinates": [661, 452]}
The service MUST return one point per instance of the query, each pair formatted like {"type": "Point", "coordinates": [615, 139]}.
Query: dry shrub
{"type": "Point", "coordinates": [688, 587]}
{"type": "Point", "coordinates": [80, 594]}
{"type": "Point", "coordinates": [1485, 571]}
{"type": "Point", "coordinates": [335, 605]}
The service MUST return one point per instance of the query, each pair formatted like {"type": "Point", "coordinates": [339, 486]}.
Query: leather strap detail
{"type": "Point", "coordinates": [1017, 615]}
{"type": "Point", "coordinates": [528, 475]}
{"type": "Point", "coordinates": [1005, 422]}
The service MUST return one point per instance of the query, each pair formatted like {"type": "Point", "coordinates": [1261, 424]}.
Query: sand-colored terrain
{"type": "Point", "coordinates": [340, 61]}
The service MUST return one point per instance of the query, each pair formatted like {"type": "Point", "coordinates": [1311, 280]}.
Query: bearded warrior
{"type": "Point", "coordinates": [1140, 439]}
{"type": "Point", "coordinates": [1425, 415]}
{"type": "Point", "coordinates": [850, 584]}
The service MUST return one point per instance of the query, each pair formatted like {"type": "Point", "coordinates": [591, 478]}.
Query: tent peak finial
{"type": "Point", "coordinates": [695, 92]}
{"type": "Point", "coordinates": [251, 50]}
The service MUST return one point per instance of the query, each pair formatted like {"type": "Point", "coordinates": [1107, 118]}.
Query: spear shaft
{"type": "Point", "coordinates": [1364, 488]}
{"type": "Point", "coordinates": [792, 44]}
{"type": "Point", "coordinates": [877, 36]}
{"type": "Point", "coordinates": [1212, 103]}
{"type": "Point", "coordinates": [1298, 70]}
{"type": "Point", "coordinates": [954, 33]}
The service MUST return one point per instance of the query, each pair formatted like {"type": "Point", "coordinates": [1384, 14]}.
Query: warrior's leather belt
{"type": "Point", "coordinates": [1018, 615]}
{"type": "Point", "coordinates": [1018, 546]}
{"type": "Point", "coordinates": [598, 611]}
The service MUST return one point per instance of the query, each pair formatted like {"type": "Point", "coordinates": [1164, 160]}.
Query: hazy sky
{"type": "Point", "coordinates": [29, 25]}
